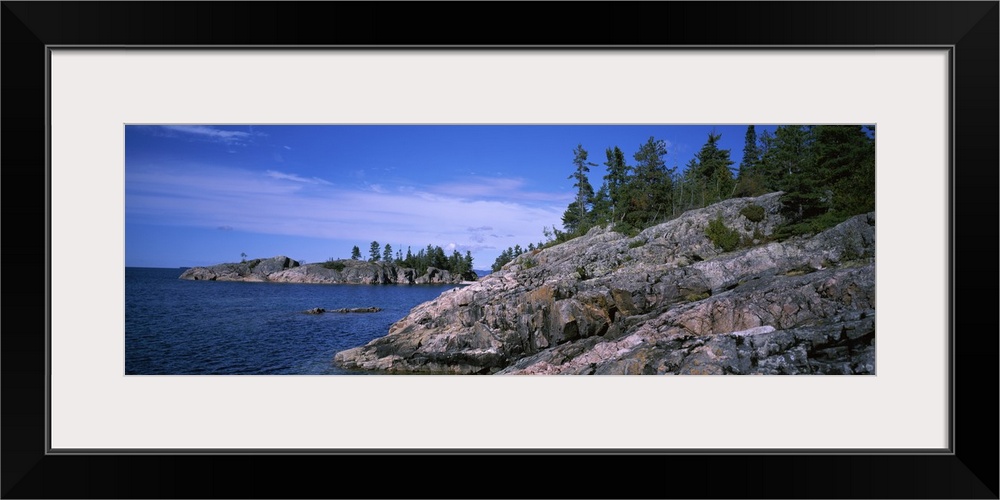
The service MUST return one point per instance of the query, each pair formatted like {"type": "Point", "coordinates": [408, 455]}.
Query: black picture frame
{"type": "Point", "coordinates": [970, 470]}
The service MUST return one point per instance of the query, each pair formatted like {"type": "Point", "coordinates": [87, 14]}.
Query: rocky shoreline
{"type": "Point", "coordinates": [281, 269]}
{"type": "Point", "coordinates": [667, 301]}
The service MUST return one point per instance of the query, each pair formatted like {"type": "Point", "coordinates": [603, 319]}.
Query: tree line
{"type": "Point", "coordinates": [827, 173]}
{"type": "Point", "coordinates": [431, 256]}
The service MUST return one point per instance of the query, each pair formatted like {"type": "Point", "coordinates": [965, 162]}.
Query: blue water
{"type": "Point", "coordinates": [182, 327]}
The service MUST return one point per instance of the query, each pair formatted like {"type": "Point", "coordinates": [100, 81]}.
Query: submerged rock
{"type": "Point", "coordinates": [667, 301]}
{"type": "Point", "coordinates": [343, 310]}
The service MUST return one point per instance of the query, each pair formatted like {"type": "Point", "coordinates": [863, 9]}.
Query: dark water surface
{"type": "Point", "coordinates": [175, 326]}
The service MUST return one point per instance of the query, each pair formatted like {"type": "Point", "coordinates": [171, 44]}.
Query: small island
{"type": "Point", "coordinates": [282, 269]}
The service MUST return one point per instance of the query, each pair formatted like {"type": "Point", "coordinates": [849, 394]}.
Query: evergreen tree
{"type": "Point", "coordinates": [387, 254]}
{"type": "Point", "coordinates": [571, 219]}
{"type": "Point", "coordinates": [785, 154]}
{"type": "Point", "coordinates": [649, 189]}
{"type": "Point", "coordinates": [584, 190]}
{"type": "Point", "coordinates": [355, 253]}
{"type": "Point", "coordinates": [692, 189]}
{"type": "Point", "coordinates": [748, 181]}
{"type": "Point", "coordinates": [713, 166]}
{"type": "Point", "coordinates": [374, 252]}
{"type": "Point", "coordinates": [791, 166]}
{"type": "Point", "coordinates": [616, 180]}
{"type": "Point", "coordinates": [504, 257]}
{"type": "Point", "coordinates": [845, 162]}
{"type": "Point", "coordinates": [468, 263]}
{"type": "Point", "coordinates": [601, 211]}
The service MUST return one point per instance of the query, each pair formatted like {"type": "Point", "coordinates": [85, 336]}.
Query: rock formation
{"type": "Point", "coordinates": [667, 301]}
{"type": "Point", "coordinates": [344, 310]}
{"type": "Point", "coordinates": [281, 269]}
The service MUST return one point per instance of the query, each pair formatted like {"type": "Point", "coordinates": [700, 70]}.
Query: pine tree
{"type": "Point", "coordinates": [584, 190]}
{"type": "Point", "coordinates": [374, 252]}
{"type": "Point", "coordinates": [845, 162]}
{"type": "Point", "coordinates": [355, 253]}
{"type": "Point", "coordinates": [791, 165]}
{"type": "Point", "coordinates": [387, 254]}
{"type": "Point", "coordinates": [601, 211]}
{"type": "Point", "coordinates": [748, 181]}
{"type": "Point", "coordinates": [648, 191]}
{"type": "Point", "coordinates": [713, 166]}
{"type": "Point", "coordinates": [616, 180]}
{"type": "Point", "coordinates": [468, 263]}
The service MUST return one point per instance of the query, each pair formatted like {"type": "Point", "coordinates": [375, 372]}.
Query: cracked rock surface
{"type": "Point", "coordinates": [667, 301]}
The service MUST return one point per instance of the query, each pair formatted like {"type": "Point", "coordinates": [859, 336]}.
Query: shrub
{"type": "Point", "coordinates": [528, 263]}
{"type": "Point", "coordinates": [637, 243]}
{"type": "Point", "coordinates": [626, 229]}
{"type": "Point", "coordinates": [753, 213]}
{"type": "Point", "coordinates": [336, 265]}
{"type": "Point", "coordinates": [723, 237]}
{"type": "Point", "coordinates": [582, 273]}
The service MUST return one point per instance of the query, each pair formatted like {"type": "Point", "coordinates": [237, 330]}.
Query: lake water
{"type": "Point", "coordinates": [182, 327]}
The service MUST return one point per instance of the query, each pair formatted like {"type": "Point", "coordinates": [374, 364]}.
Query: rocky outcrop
{"type": "Point", "coordinates": [284, 270]}
{"type": "Point", "coordinates": [667, 301]}
{"type": "Point", "coordinates": [344, 310]}
{"type": "Point", "coordinates": [250, 270]}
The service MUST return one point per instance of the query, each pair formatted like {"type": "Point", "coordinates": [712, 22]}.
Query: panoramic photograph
{"type": "Point", "coordinates": [708, 249]}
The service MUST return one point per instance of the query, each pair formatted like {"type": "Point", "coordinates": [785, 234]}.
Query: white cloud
{"type": "Point", "coordinates": [210, 133]}
{"type": "Point", "coordinates": [286, 204]}
{"type": "Point", "coordinates": [292, 177]}
{"type": "Point", "coordinates": [506, 188]}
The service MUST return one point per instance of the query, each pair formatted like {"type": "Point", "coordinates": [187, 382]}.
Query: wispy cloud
{"type": "Point", "coordinates": [278, 203]}
{"type": "Point", "coordinates": [210, 133]}
{"type": "Point", "coordinates": [478, 234]}
{"type": "Point", "coordinates": [292, 177]}
{"type": "Point", "coordinates": [505, 188]}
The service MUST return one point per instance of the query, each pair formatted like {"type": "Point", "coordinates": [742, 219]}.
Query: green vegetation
{"type": "Point", "coordinates": [695, 297]}
{"type": "Point", "coordinates": [432, 256]}
{"type": "Point", "coordinates": [637, 243]}
{"type": "Point", "coordinates": [334, 264]}
{"type": "Point", "coordinates": [506, 256]}
{"type": "Point", "coordinates": [827, 173]}
{"type": "Point", "coordinates": [753, 213]}
{"type": "Point", "coordinates": [577, 217]}
{"type": "Point", "coordinates": [725, 238]}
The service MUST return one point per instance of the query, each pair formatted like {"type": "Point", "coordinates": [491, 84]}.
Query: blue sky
{"type": "Point", "coordinates": [203, 194]}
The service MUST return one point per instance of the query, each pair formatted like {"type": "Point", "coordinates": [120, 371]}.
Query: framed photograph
{"type": "Point", "coordinates": [140, 125]}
